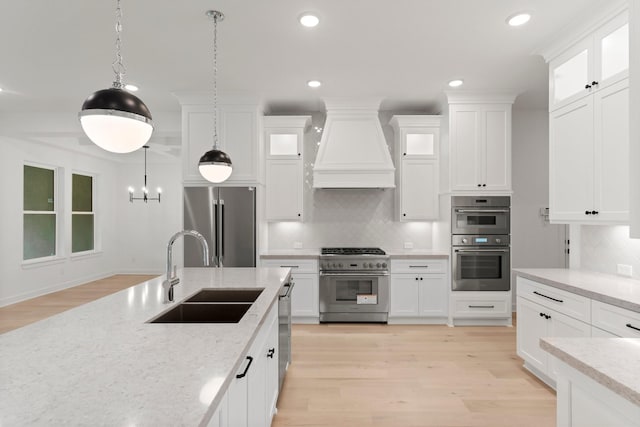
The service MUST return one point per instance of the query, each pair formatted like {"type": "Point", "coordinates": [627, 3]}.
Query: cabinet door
{"type": "Point", "coordinates": [571, 163]}
{"type": "Point", "coordinates": [531, 327]}
{"type": "Point", "coordinates": [611, 139]}
{"type": "Point", "coordinates": [419, 190]}
{"type": "Point", "coordinates": [465, 122]}
{"type": "Point", "coordinates": [237, 395]}
{"type": "Point", "coordinates": [256, 392]}
{"type": "Point", "coordinates": [284, 190]}
{"type": "Point", "coordinates": [565, 327]}
{"type": "Point", "coordinates": [611, 44]}
{"type": "Point", "coordinates": [496, 152]}
{"type": "Point", "coordinates": [404, 296]}
{"type": "Point", "coordinates": [420, 143]}
{"type": "Point", "coordinates": [434, 296]}
{"type": "Point", "coordinates": [304, 297]}
{"type": "Point", "coordinates": [272, 384]}
{"type": "Point", "coordinates": [570, 73]}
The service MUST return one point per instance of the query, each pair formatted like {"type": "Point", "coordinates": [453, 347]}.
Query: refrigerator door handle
{"type": "Point", "coordinates": [216, 257]}
{"type": "Point", "coordinates": [221, 232]}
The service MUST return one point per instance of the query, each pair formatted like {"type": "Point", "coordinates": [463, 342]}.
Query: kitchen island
{"type": "Point", "coordinates": [103, 364]}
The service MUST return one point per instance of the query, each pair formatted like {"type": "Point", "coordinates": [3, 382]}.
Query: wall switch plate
{"type": "Point", "coordinates": [408, 245]}
{"type": "Point", "coordinates": [297, 245]}
{"type": "Point", "coordinates": [625, 270]}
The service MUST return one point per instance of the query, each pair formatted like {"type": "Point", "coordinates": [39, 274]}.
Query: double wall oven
{"type": "Point", "coordinates": [354, 285]}
{"type": "Point", "coordinates": [480, 242]}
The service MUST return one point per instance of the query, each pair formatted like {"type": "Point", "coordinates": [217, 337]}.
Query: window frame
{"type": "Point", "coordinates": [95, 249]}
{"type": "Point", "coordinates": [57, 171]}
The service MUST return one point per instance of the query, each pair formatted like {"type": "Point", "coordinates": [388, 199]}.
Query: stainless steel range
{"type": "Point", "coordinates": [354, 285]}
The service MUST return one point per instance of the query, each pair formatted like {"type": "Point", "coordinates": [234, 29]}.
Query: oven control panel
{"type": "Point", "coordinates": [354, 264]}
{"type": "Point", "coordinates": [480, 240]}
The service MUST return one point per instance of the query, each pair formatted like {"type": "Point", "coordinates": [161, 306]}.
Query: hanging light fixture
{"type": "Point", "coordinates": [145, 190]}
{"type": "Point", "coordinates": [115, 119]}
{"type": "Point", "coordinates": [215, 165]}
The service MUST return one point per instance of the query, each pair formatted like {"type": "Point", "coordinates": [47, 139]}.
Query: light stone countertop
{"type": "Point", "coordinates": [291, 253]}
{"type": "Point", "coordinates": [612, 362]}
{"type": "Point", "coordinates": [394, 253]}
{"type": "Point", "coordinates": [417, 253]}
{"type": "Point", "coordinates": [615, 290]}
{"type": "Point", "coordinates": [102, 364]}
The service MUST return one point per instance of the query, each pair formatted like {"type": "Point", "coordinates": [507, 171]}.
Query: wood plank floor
{"type": "Point", "coordinates": [410, 376]}
{"type": "Point", "coordinates": [26, 312]}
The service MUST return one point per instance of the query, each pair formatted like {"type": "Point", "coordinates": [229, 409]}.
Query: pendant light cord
{"type": "Point", "coordinates": [216, 16]}
{"type": "Point", "coordinates": [117, 65]}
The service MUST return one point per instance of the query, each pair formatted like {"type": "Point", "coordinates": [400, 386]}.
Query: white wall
{"type": "Point", "coordinates": [534, 242]}
{"type": "Point", "coordinates": [603, 247]}
{"type": "Point", "coordinates": [354, 217]}
{"type": "Point", "coordinates": [21, 281]}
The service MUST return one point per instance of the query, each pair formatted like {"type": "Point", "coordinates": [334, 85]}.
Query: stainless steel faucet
{"type": "Point", "coordinates": [172, 279]}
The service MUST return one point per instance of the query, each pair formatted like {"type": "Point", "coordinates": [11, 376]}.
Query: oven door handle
{"type": "Point", "coordinates": [482, 210]}
{"type": "Point", "coordinates": [354, 274]}
{"type": "Point", "coordinates": [482, 250]}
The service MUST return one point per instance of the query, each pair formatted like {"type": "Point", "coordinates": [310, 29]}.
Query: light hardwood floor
{"type": "Point", "coordinates": [409, 376]}
{"type": "Point", "coordinates": [26, 312]}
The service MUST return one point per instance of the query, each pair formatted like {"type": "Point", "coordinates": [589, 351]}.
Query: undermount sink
{"type": "Point", "coordinates": [189, 312]}
{"type": "Point", "coordinates": [226, 295]}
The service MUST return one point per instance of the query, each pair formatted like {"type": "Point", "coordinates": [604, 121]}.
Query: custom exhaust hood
{"type": "Point", "coordinates": [353, 151]}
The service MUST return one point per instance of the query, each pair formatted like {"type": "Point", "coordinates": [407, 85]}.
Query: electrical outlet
{"type": "Point", "coordinates": [408, 245]}
{"type": "Point", "coordinates": [297, 245]}
{"type": "Point", "coordinates": [625, 270]}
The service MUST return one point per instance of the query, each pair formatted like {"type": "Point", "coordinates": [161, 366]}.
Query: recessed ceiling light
{"type": "Point", "coordinates": [131, 88]}
{"type": "Point", "coordinates": [314, 83]}
{"type": "Point", "coordinates": [456, 83]}
{"type": "Point", "coordinates": [308, 19]}
{"type": "Point", "coordinates": [518, 19]}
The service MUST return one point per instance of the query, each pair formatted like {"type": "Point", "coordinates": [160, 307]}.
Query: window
{"type": "Point", "coordinates": [39, 213]}
{"type": "Point", "coordinates": [82, 215]}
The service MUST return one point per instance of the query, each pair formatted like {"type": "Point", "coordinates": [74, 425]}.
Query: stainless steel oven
{"type": "Point", "coordinates": [354, 287]}
{"type": "Point", "coordinates": [481, 263]}
{"type": "Point", "coordinates": [480, 215]}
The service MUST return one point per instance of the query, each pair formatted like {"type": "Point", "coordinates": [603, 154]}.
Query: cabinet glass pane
{"type": "Point", "coordinates": [570, 77]}
{"type": "Point", "coordinates": [38, 189]}
{"type": "Point", "coordinates": [82, 200]}
{"type": "Point", "coordinates": [420, 144]}
{"type": "Point", "coordinates": [39, 239]}
{"type": "Point", "coordinates": [615, 52]}
{"type": "Point", "coordinates": [283, 145]}
{"type": "Point", "coordinates": [81, 232]}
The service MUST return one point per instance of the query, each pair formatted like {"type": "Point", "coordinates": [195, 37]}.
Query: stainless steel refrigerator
{"type": "Point", "coordinates": [226, 217]}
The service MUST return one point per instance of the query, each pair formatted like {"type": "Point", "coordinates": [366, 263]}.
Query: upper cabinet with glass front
{"type": "Point", "coordinates": [591, 64]}
{"type": "Point", "coordinates": [284, 135]}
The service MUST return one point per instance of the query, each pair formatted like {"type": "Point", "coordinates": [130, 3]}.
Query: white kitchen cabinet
{"type": "Point", "coordinates": [588, 154]}
{"type": "Point", "coordinates": [615, 321]}
{"type": "Point", "coordinates": [238, 136]}
{"type": "Point", "coordinates": [591, 64]}
{"type": "Point", "coordinates": [284, 136]}
{"type": "Point", "coordinates": [305, 294]}
{"type": "Point", "coordinates": [251, 393]}
{"type": "Point", "coordinates": [480, 144]}
{"type": "Point", "coordinates": [481, 308]}
{"type": "Point", "coordinates": [419, 291]}
{"type": "Point", "coordinates": [417, 142]}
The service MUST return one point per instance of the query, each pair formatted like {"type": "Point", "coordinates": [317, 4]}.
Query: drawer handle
{"type": "Point", "coordinates": [418, 266]}
{"type": "Point", "coordinates": [629, 325]}
{"type": "Point", "coordinates": [543, 295]}
{"type": "Point", "coordinates": [271, 352]}
{"type": "Point", "coordinates": [244, 374]}
{"type": "Point", "coordinates": [289, 266]}
{"type": "Point", "coordinates": [482, 306]}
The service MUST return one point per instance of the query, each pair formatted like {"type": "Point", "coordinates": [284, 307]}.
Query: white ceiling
{"type": "Point", "coordinates": [55, 53]}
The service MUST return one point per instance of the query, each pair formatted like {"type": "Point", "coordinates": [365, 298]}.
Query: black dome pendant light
{"type": "Point", "coordinates": [115, 119]}
{"type": "Point", "coordinates": [215, 165]}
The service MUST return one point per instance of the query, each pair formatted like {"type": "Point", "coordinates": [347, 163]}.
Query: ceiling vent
{"type": "Point", "coordinates": [353, 151]}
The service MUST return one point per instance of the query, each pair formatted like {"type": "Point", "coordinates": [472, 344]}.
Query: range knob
{"type": "Point", "coordinates": [323, 265]}
{"type": "Point", "coordinates": [378, 265]}
{"type": "Point", "coordinates": [464, 240]}
{"type": "Point", "coordinates": [334, 265]}
{"type": "Point", "coordinates": [384, 265]}
{"type": "Point", "coordinates": [498, 241]}
{"type": "Point", "coordinates": [340, 265]}
{"type": "Point", "coordinates": [370, 265]}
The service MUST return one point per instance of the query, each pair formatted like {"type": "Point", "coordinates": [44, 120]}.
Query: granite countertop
{"type": "Point", "coordinates": [393, 253]}
{"type": "Point", "coordinates": [102, 364]}
{"type": "Point", "coordinates": [612, 362]}
{"type": "Point", "coordinates": [615, 290]}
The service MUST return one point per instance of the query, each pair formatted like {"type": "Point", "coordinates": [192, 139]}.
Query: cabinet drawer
{"type": "Point", "coordinates": [418, 265]}
{"type": "Point", "coordinates": [299, 266]}
{"type": "Point", "coordinates": [478, 305]}
{"type": "Point", "coordinates": [616, 320]}
{"type": "Point", "coordinates": [564, 302]}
